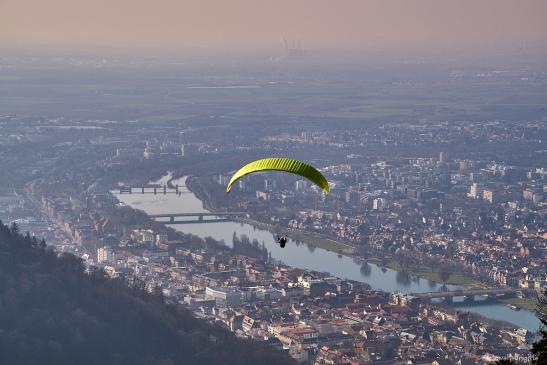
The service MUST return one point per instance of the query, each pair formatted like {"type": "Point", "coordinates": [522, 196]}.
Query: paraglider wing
{"type": "Point", "coordinates": [282, 164]}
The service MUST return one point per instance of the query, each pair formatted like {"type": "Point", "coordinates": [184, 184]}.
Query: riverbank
{"type": "Point", "coordinates": [314, 239]}
{"type": "Point", "coordinates": [349, 250]}
{"type": "Point", "coordinates": [522, 303]}
{"type": "Point", "coordinates": [414, 270]}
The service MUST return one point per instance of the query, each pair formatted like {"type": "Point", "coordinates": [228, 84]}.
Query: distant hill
{"type": "Point", "coordinates": [52, 312]}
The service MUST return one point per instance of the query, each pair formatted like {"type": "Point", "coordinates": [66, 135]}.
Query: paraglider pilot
{"type": "Point", "coordinates": [282, 241]}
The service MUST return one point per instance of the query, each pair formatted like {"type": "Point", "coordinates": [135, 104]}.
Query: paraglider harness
{"type": "Point", "coordinates": [282, 241]}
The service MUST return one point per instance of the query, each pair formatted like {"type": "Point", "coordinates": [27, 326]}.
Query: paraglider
{"type": "Point", "coordinates": [282, 164]}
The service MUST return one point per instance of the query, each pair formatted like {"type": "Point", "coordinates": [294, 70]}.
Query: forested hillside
{"type": "Point", "coordinates": [53, 312]}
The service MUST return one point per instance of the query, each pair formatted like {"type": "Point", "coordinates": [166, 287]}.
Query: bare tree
{"type": "Point", "coordinates": [444, 274]}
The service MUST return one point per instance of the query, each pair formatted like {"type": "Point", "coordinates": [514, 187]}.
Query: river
{"type": "Point", "coordinates": [307, 256]}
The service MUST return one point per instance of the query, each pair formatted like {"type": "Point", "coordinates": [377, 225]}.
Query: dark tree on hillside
{"type": "Point", "coordinates": [539, 349]}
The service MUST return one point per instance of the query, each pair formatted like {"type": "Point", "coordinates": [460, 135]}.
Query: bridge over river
{"type": "Point", "coordinates": [196, 217]}
{"type": "Point", "coordinates": [470, 294]}
{"type": "Point", "coordinates": [149, 189]}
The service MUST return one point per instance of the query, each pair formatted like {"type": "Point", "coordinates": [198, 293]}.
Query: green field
{"type": "Point", "coordinates": [433, 275]}
{"type": "Point", "coordinates": [523, 303]}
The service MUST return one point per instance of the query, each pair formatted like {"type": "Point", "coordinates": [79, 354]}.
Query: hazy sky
{"type": "Point", "coordinates": [264, 23]}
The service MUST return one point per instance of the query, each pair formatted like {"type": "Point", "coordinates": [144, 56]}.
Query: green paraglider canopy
{"type": "Point", "coordinates": [282, 164]}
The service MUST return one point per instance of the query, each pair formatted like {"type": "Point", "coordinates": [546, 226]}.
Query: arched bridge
{"type": "Point", "coordinates": [149, 189]}
{"type": "Point", "coordinates": [190, 218]}
{"type": "Point", "coordinates": [471, 293]}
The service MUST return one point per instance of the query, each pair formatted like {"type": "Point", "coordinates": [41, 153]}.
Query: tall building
{"type": "Point", "coordinates": [269, 185]}
{"type": "Point", "coordinates": [378, 203]}
{"type": "Point", "coordinates": [444, 157]}
{"type": "Point", "coordinates": [148, 153]}
{"type": "Point", "coordinates": [534, 195]}
{"type": "Point", "coordinates": [105, 254]}
{"type": "Point", "coordinates": [476, 191]}
{"type": "Point", "coordinates": [488, 195]}
{"type": "Point", "coordinates": [300, 185]}
{"type": "Point", "coordinates": [464, 165]}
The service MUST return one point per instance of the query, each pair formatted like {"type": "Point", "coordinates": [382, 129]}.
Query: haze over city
{"type": "Point", "coordinates": [250, 24]}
